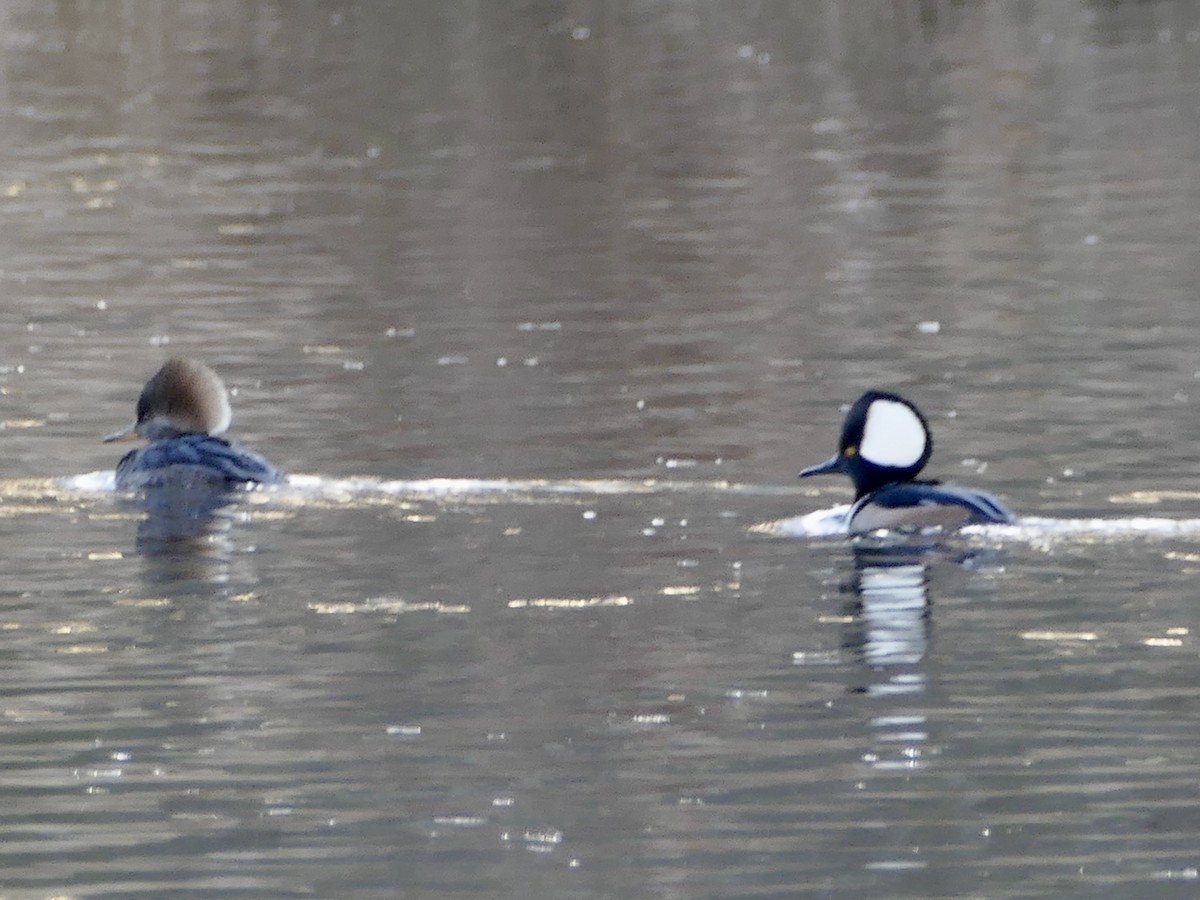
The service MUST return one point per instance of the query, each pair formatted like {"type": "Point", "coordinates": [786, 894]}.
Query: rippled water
{"type": "Point", "coordinates": [543, 306]}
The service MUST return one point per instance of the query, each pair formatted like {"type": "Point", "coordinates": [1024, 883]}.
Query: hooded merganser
{"type": "Point", "coordinates": [885, 443]}
{"type": "Point", "coordinates": [180, 411]}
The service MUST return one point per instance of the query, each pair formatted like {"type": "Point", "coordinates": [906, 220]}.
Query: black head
{"type": "Point", "coordinates": [885, 439]}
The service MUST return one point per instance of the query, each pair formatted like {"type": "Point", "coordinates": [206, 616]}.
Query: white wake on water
{"type": "Point", "coordinates": [830, 523]}
{"type": "Point", "coordinates": [297, 490]}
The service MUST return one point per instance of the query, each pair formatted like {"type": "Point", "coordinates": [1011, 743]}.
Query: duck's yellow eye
{"type": "Point", "coordinates": [850, 451]}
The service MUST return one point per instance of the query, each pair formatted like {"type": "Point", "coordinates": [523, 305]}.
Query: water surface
{"type": "Point", "coordinates": [543, 307]}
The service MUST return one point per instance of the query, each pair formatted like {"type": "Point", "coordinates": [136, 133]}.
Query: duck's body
{"type": "Point", "coordinates": [181, 411]}
{"type": "Point", "coordinates": [924, 504]}
{"type": "Point", "coordinates": [884, 445]}
{"type": "Point", "coordinates": [199, 458]}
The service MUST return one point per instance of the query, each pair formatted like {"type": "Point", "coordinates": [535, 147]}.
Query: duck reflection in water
{"type": "Point", "coordinates": [889, 619]}
{"type": "Point", "coordinates": [890, 612]}
{"type": "Point", "coordinates": [186, 475]}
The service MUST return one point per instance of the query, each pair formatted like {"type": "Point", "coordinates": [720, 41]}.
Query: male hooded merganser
{"type": "Point", "coordinates": [885, 443]}
{"type": "Point", "coordinates": [181, 410]}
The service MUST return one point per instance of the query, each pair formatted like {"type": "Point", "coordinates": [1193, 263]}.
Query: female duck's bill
{"type": "Point", "coordinates": [181, 411]}
{"type": "Point", "coordinates": [885, 443]}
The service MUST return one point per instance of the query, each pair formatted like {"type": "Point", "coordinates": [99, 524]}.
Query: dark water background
{"type": "Point", "coordinates": [625, 262]}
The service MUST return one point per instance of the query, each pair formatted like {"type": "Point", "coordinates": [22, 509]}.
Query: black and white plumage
{"type": "Point", "coordinates": [885, 443]}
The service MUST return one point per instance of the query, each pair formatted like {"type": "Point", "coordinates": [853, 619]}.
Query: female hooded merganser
{"type": "Point", "coordinates": [885, 443]}
{"type": "Point", "coordinates": [181, 410]}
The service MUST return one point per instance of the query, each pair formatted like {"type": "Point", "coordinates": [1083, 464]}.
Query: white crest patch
{"type": "Point", "coordinates": [893, 435]}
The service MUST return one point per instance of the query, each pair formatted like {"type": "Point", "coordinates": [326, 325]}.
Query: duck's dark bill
{"type": "Point", "coordinates": [836, 464]}
{"type": "Point", "coordinates": [126, 434]}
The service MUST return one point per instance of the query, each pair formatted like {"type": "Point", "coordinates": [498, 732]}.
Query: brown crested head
{"type": "Point", "coordinates": [183, 397]}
